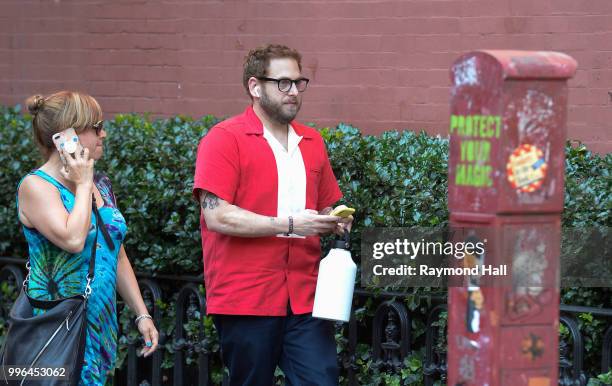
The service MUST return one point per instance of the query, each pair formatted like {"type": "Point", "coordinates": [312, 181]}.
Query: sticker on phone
{"type": "Point", "coordinates": [66, 140]}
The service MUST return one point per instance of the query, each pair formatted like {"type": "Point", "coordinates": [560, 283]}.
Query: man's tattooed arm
{"type": "Point", "coordinates": [225, 218]}
{"type": "Point", "coordinates": [209, 200]}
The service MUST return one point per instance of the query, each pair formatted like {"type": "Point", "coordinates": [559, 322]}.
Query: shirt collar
{"type": "Point", "coordinates": [293, 140]}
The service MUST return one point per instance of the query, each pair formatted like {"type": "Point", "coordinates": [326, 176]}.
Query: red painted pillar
{"type": "Point", "coordinates": [506, 169]}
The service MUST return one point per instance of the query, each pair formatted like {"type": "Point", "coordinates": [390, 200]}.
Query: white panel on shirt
{"type": "Point", "coordinates": [291, 175]}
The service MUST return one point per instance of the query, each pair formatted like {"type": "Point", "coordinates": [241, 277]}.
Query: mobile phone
{"type": "Point", "coordinates": [342, 211]}
{"type": "Point", "coordinates": [68, 141]}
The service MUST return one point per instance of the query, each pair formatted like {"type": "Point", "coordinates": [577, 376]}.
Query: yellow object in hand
{"type": "Point", "coordinates": [342, 211]}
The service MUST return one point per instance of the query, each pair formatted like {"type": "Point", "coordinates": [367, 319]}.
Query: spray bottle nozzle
{"type": "Point", "coordinates": [344, 241]}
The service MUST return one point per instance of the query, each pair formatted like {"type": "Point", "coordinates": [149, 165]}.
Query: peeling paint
{"type": "Point", "coordinates": [465, 73]}
{"type": "Point", "coordinates": [466, 368]}
{"type": "Point", "coordinates": [528, 265]}
{"type": "Point", "coordinates": [536, 110]}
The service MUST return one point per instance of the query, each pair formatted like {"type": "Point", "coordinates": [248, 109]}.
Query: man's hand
{"type": "Point", "coordinates": [310, 223]}
{"type": "Point", "coordinates": [344, 224]}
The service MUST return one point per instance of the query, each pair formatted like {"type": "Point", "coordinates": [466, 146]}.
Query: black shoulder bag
{"type": "Point", "coordinates": [48, 349]}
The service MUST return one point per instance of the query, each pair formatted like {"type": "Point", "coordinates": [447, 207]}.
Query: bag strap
{"type": "Point", "coordinates": [99, 226]}
{"type": "Point", "coordinates": [94, 246]}
{"type": "Point", "coordinates": [107, 238]}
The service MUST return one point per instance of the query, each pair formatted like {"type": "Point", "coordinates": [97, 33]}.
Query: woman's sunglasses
{"type": "Point", "coordinates": [98, 126]}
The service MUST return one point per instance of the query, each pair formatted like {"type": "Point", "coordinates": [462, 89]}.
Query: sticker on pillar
{"type": "Point", "coordinates": [475, 295]}
{"type": "Point", "coordinates": [474, 308]}
{"type": "Point", "coordinates": [539, 381]}
{"type": "Point", "coordinates": [526, 168]}
{"type": "Point", "coordinates": [532, 346]}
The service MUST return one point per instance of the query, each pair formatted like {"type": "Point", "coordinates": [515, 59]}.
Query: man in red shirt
{"type": "Point", "coordinates": [266, 188]}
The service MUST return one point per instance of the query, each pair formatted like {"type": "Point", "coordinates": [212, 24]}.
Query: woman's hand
{"type": "Point", "coordinates": [150, 335]}
{"type": "Point", "coordinates": [127, 286]}
{"type": "Point", "coordinates": [79, 169]}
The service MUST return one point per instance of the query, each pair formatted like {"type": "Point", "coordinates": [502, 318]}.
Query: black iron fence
{"type": "Point", "coordinates": [387, 334]}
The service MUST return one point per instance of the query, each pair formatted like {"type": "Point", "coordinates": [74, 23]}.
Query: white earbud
{"type": "Point", "coordinates": [257, 92]}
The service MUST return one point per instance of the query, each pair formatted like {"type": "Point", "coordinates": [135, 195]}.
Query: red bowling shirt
{"type": "Point", "coordinates": [257, 276]}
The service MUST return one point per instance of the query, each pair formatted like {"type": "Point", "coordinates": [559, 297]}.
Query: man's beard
{"type": "Point", "coordinates": [275, 110]}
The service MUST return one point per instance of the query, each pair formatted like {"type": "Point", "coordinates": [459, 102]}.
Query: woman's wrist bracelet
{"type": "Point", "coordinates": [141, 317]}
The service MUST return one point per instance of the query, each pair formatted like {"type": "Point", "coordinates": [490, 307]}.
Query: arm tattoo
{"type": "Point", "coordinates": [210, 201]}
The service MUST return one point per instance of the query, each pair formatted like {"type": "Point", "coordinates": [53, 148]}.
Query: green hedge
{"type": "Point", "coordinates": [395, 179]}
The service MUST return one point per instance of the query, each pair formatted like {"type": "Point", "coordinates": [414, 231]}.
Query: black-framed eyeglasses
{"type": "Point", "coordinates": [285, 84]}
{"type": "Point", "coordinates": [98, 126]}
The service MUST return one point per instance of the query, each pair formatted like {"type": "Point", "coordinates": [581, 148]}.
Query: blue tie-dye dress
{"type": "Point", "coordinates": [56, 274]}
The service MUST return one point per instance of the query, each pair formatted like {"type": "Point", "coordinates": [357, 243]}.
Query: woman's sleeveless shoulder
{"type": "Point", "coordinates": [35, 183]}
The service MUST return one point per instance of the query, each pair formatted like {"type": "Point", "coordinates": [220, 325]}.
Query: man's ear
{"type": "Point", "coordinates": [254, 88]}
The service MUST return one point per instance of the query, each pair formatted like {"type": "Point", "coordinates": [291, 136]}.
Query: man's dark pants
{"type": "Point", "coordinates": [302, 346]}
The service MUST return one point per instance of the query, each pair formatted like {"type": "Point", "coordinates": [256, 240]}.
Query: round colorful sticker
{"type": "Point", "coordinates": [526, 168]}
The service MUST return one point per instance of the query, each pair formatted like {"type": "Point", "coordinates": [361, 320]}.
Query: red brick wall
{"type": "Point", "coordinates": [375, 64]}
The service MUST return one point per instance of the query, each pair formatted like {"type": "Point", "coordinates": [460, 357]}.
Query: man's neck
{"type": "Point", "coordinates": [280, 131]}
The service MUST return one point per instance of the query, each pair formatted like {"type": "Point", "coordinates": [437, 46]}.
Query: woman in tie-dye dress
{"type": "Point", "coordinates": [55, 209]}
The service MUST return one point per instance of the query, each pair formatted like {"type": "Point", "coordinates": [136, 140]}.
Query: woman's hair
{"type": "Point", "coordinates": [58, 112]}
